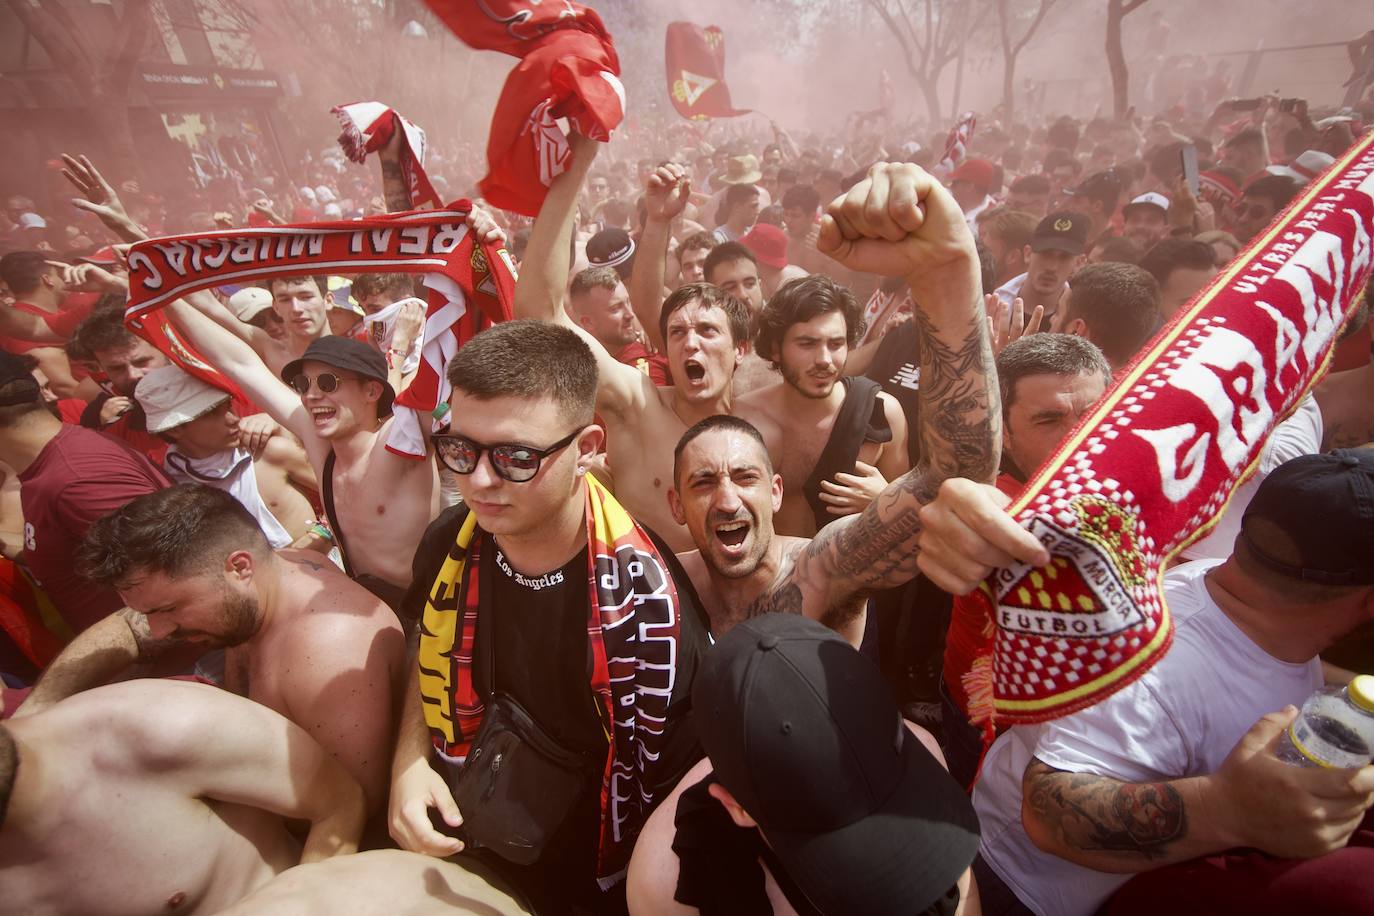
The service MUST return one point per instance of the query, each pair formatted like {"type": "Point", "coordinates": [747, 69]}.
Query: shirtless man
{"type": "Point", "coordinates": [897, 222]}
{"type": "Point", "coordinates": [207, 447]}
{"type": "Point", "coordinates": [806, 330]}
{"type": "Point", "coordinates": [156, 796]}
{"type": "Point", "coordinates": [340, 410]}
{"type": "Point", "coordinates": [706, 335]}
{"type": "Point", "coordinates": [733, 269]}
{"type": "Point", "coordinates": [195, 571]}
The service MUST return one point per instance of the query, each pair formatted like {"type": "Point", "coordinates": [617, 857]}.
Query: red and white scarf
{"type": "Point", "coordinates": [956, 146]}
{"type": "Point", "coordinates": [367, 126]}
{"type": "Point", "coordinates": [568, 69]}
{"type": "Point", "coordinates": [1151, 467]}
{"type": "Point", "coordinates": [471, 285]}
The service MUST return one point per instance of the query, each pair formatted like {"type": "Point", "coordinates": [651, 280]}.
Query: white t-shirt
{"type": "Point", "coordinates": [1300, 434]}
{"type": "Point", "coordinates": [1180, 719]}
{"type": "Point", "coordinates": [1011, 289]}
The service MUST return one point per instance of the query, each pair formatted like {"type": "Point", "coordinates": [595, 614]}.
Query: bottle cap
{"type": "Point", "coordinates": [1361, 692]}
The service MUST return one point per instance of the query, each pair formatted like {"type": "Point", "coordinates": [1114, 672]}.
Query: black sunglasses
{"type": "Point", "coordinates": [327, 382]}
{"type": "Point", "coordinates": [516, 463]}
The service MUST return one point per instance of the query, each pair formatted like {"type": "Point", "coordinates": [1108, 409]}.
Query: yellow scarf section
{"type": "Point", "coordinates": [438, 630]}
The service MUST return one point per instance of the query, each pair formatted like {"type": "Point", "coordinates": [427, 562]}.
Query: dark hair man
{"type": "Point", "coordinates": [1096, 197]}
{"type": "Point", "coordinates": [1245, 151]}
{"type": "Point", "coordinates": [1030, 194]}
{"type": "Point", "coordinates": [124, 358]}
{"type": "Point", "coordinates": [533, 529]}
{"type": "Point", "coordinates": [68, 477]}
{"type": "Point", "coordinates": [1056, 250]}
{"type": "Point", "coordinates": [691, 256]}
{"type": "Point", "coordinates": [1116, 306]}
{"type": "Point", "coordinates": [735, 269]}
{"type": "Point", "coordinates": [1007, 233]}
{"type": "Point", "coordinates": [816, 422]}
{"type": "Point", "coordinates": [705, 334]}
{"type": "Point", "coordinates": [816, 798]}
{"type": "Point", "coordinates": [47, 307]}
{"type": "Point", "coordinates": [172, 797]}
{"type": "Point", "coordinates": [1115, 248]}
{"type": "Point", "coordinates": [1181, 267]}
{"type": "Point", "coordinates": [1180, 776]}
{"type": "Point", "coordinates": [393, 322]}
{"type": "Point", "coordinates": [1261, 202]}
{"type": "Point", "coordinates": [196, 572]}
{"type": "Point", "coordinates": [799, 206]}
{"type": "Point", "coordinates": [725, 488]}
{"type": "Point", "coordinates": [738, 210]}
{"type": "Point", "coordinates": [1146, 219]}
{"type": "Point", "coordinates": [597, 300]}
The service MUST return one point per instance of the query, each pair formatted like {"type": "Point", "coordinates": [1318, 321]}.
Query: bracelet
{"type": "Point", "coordinates": [320, 530]}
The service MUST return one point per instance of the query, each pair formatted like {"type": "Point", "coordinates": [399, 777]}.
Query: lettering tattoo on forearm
{"type": "Point", "coordinates": [1095, 813]}
{"type": "Point", "coordinates": [961, 411]}
{"type": "Point", "coordinates": [394, 187]}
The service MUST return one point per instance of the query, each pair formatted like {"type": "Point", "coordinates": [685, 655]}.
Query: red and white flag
{"type": "Point", "coordinates": [956, 147]}
{"type": "Point", "coordinates": [368, 126]}
{"type": "Point", "coordinates": [696, 72]}
{"type": "Point", "coordinates": [568, 70]}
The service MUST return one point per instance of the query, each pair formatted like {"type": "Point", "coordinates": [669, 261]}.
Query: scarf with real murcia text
{"type": "Point", "coordinates": [633, 627]}
{"type": "Point", "coordinates": [470, 285]}
{"type": "Point", "coordinates": [1151, 467]}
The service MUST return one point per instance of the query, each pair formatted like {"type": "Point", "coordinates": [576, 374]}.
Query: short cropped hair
{"type": "Point", "coordinates": [1013, 228]}
{"type": "Point", "coordinates": [320, 280]}
{"type": "Point", "coordinates": [801, 300]}
{"type": "Point", "coordinates": [1120, 305]}
{"type": "Point", "coordinates": [23, 270]}
{"type": "Point", "coordinates": [593, 278]}
{"type": "Point", "coordinates": [103, 329]}
{"type": "Point", "coordinates": [529, 359]}
{"type": "Point", "coordinates": [1119, 249]}
{"type": "Point", "coordinates": [181, 531]}
{"type": "Point", "coordinates": [1250, 136]}
{"type": "Point", "coordinates": [1169, 255]}
{"type": "Point", "coordinates": [1047, 354]}
{"type": "Point", "coordinates": [726, 253]}
{"type": "Point", "coordinates": [1031, 184]}
{"type": "Point", "coordinates": [712, 424]}
{"type": "Point", "coordinates": [801, 197]}
{"type": "Point", "coordinates": [1279, 190]}
{"type": "Point", "coordinates": [736, 313]}
{"type": "Point", "coordinates": [365, 286]}
{"type": "Point", "coordinates": [697, 241]}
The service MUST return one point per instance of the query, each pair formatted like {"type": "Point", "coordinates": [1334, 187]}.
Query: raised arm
{"type": "Point", "coordinates": [1253, 800]}
{"type": "Point", "coordinates": [394, 190]}
{"type": "Point", "coordinates": [98, 196]}
{"type": "Point", "coordinates": [901, 222]}
{"type": "Point", "coordinates": [242, 365]}
{"type": "Point", "coordinates": [543, 283]}
{"type": "Point", "coordinates": [96, 656]}
{"type": "Point", "coordinates": [665, 197]}
{"type": "Point", "coordinates": [213, 744]}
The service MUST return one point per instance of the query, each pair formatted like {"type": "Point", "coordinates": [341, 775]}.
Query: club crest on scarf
{"type": "Point", "coordinates": [1152, 466]}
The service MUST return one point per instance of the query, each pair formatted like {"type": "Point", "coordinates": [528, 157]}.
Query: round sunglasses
{"type": "Point", "coordinates": [327, 382]}
{"type": "Point", "coordinates": [516, 463]}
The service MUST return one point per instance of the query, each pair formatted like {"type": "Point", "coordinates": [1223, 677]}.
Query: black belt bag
{"type": "Point", "coordinates": [517, 785]}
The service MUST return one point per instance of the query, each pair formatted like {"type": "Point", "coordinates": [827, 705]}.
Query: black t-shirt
{"type": "Point", "coordinates": [897, 368]}
{"type": "Point", "coordinates": [542, 657]}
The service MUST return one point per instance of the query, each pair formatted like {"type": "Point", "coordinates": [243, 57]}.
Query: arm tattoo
{"type": "Point", "coordinates": [394, 187]}
{"type": "Point", "coordinates": [149, 647]}
{"type": "Point", "coordinates": [1097, 813]}
{"type": "Point", "coordinates": [961, 411]}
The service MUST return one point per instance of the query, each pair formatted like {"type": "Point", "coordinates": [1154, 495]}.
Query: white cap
{"type": "Point", "coordinates": [1305, 167]}
{"type": "Point", "coordinates": [32, 221]}
{"type": "Point", "coordinates": [1152, 198]}
{"type": "Point", "coordinates": [249, 302]}
{"type": "Point", "coordinates": [171, 397]}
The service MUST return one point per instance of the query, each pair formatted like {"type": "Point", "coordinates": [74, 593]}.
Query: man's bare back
{"type": "Point", "coordinates": [149, 797]}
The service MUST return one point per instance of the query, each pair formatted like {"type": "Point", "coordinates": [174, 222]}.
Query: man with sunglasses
{"type": "Point", "coordinates": [705, 334]}
{"type": "Point", "coordinates": [506, 615]}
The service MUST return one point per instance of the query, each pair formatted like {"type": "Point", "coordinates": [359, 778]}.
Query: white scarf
{"type": "Point", "coordinates": [231, 471]}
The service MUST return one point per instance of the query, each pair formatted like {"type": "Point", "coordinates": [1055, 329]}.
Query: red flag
{"type": "Point", "coordinates": [568, 69]}
{"type": "Point", "coordinates": [696, 72]}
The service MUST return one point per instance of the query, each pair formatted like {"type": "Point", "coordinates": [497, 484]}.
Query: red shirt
{"type": "Point", "coordinates": [74, 309]}
{"type": "Point", "coordinates": [654, 365]}
{"type": "Point", "coordinates": [78, 477]}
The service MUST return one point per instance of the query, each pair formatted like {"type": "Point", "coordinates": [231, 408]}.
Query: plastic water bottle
{"type": "Point", "coordinates": [1334, 729]}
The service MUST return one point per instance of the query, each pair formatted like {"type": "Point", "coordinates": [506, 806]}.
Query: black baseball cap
{"type": "Point", "coordinates": [802, 731]}
{"type": "Point", "coordinates": [349, 355]}
{"type": "Point", "coordinates": [1324, 505]}
{"type": "Point", "coordinates": [1062, 231]}
{"type": "Point", "coordinates": [612, 248]}
{"type": "Point", "coordinates": [17, 384]}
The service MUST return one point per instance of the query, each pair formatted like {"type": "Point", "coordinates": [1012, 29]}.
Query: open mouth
{"type": "Point", "coordinates": [321, 414]}
{"type": "Point", "coordinates": [732, 534]}
{"type": "Point", "coordinates": [695, 371]}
